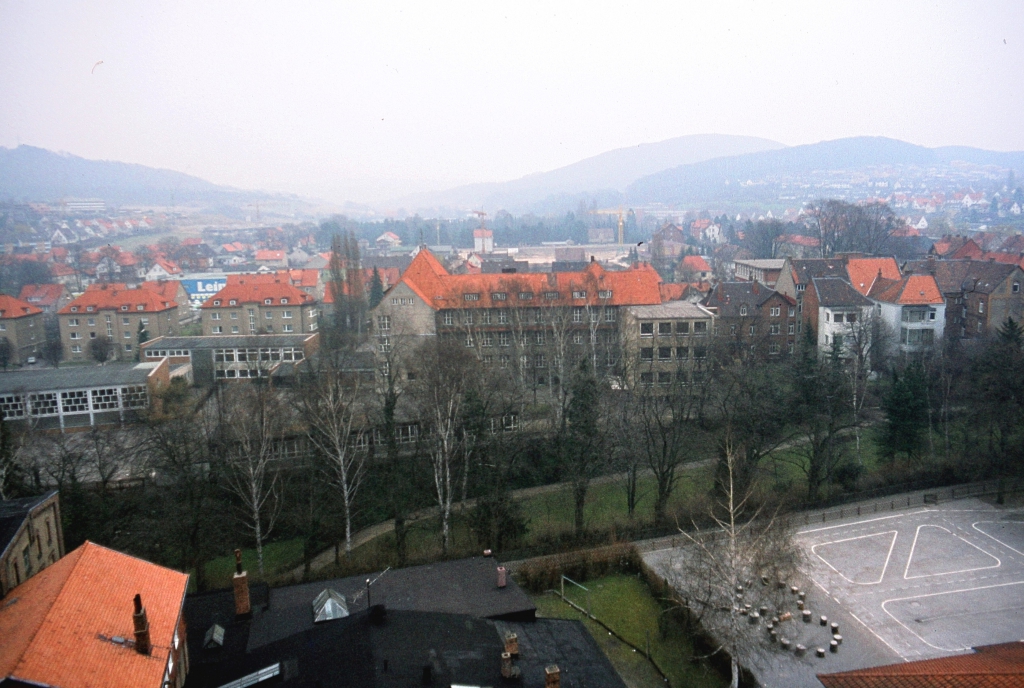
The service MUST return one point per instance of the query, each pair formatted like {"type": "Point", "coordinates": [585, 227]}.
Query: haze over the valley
{"type": "Point", "coordinates": [376, 103]}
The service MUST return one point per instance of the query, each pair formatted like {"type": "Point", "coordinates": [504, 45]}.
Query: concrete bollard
{"type": "Point", "coordinates": [764, 611]}
{"type": "Point", "coordinates": [754, 617]}
{"type": "Point", "coordinates": [800, 650]}
{"type": "Point", "coordinates": [835, 628]}
{"type": "Point", "coordinates": [801, 595]}
{"type": "Point", "coordinates": [773, 636]}
{"type": "Point", "coordinates": [820, 652]}
{"type": "Point", "coordinates": [784, 642]}
{"type": "Point", "coordinates": [782, 584]}
{"type": "Point", "coordinates": [793, 589]}
{"type": "Point", "coordinates": [833, 646]}
{"type": "Point", "coordinates": [800, 605]}
{"type": "Point", "coordinates": [807, 616]}
{"type": "Point", "coordinates": [837, 639]}
{"type": "Point", "coordinates": [824, 621]}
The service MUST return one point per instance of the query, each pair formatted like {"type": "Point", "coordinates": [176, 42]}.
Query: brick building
{"type": "Point", "coordinates": [980, 295]}
{"type": "Point", "coordinates": [665, 343]}
{"type": "Point", "coordinates": [751, 317]}
{"type": "Point", "coordinates": [108, 311]}
{"type": "Point", "coordinates": [22, 325]}
{"type": "Point", "coordinates": [31, 538]}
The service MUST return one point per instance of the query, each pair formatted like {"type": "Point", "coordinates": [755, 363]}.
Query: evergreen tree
{"type": "Point", "coordinates": [376, 289]}
{"type": "Point", "coordinates": [906, 414]}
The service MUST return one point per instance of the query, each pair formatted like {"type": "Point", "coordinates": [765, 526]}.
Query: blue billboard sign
{"type": "Point", "coordinates": [200, 289]}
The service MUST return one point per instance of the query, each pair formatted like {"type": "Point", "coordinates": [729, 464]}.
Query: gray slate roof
{"type": "Point", "coordinates": [954, 276]}
{"type": "Point", "coordinates": [230, 341]}
{"type": "Point", "coordinates": [75, 377]}
{"type": "Point", "coordinates": [670, 310]}
{"type": "Point", "coordinates": [13, 513]}
{"type": "Point", "coordinates": [833, 292]}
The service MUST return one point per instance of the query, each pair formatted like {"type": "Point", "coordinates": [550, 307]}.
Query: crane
{"type": "Point", "coordinates": [622, 224]}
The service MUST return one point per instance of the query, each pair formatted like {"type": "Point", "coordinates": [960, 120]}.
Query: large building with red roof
{"type": "Point", "coordinates": [21, 324]}
{"type": "Point", "coordinates": [50, 298]}
{"type": "Point", "coordinates": [912, 308]}
{"type": "Point", "coordinates": [116, 314]}
{"type": "Point", "coordinates": [96, 617]}
{"type": "Point", "coordinates": [260, 304]}
{"type": "Point", "coordinates": [532, 322]}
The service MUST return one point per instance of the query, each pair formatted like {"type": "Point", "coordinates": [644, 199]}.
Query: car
{"type": "Point", "coordinates": [31, 360]}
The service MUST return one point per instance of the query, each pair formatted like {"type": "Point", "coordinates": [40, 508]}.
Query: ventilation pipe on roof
{"type": "Point", "coordinates": [552, 676]}
{"type": "Point", "coordinates": [502, 578]}
{"type": "Point", "coordinates": [240, 583]}
{"type": "Point", "coordinates": [142, 643]}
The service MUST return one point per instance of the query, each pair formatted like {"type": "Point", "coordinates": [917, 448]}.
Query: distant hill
{"type": "Point", "coordinates": [601, 178]}
{"type": "Point", "coordinates": [756, 176]}
{"type": "Point", "coordinates": [36, 174]}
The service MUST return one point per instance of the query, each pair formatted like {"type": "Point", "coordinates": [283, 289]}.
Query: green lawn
{"type": "Point", "coordinates": [625, 604]}
{"type": "Point", "coordinates": [277, 558]}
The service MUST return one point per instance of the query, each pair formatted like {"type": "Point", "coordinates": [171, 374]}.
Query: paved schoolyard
{"type": "Point", "coordinates": [927, 582]}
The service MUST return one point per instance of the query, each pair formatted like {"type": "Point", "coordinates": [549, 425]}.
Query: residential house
{"type": "Point", "coordinates": [912, 308]}
{"type": "Point", "coordinates": [22, 325]}
{"type": "Point", "coordinates": [163, 270]}
{"type": "Point", "coordinates": [694, 269]}
{"type": "Point", "coordinates": [796, 275]}
{"type": "Point", "coordinates": [308, 280]}
{"type": "Point", "coordinates": [31, 538]}
{"type": "Point", "coordinates": [117, 314]}
{"type": "Point", "coordinates": [665, 342]}
{"type": "Point", "coordinates": [750, 317]}
{"type": "Point", "coordinates": [252, 305]}
{"type": "Point", "coordinates": [797, 246]}
{"type": "Point", "coordinates": [980, 295]}
{"type": "Point", "coordinates": [64, 274]}
{"type": "Point", "coordinates": [956, 248]}
{"type": "Point", "coordinates": [96, 617]}
{"type": "Point", "coordinates": [171, 290]}
{"type": "Point", "coordinates": [81, 396]}
{"type": "Point", "coordinates": [864, 272]}
{"type": "Point", "coordinates": [49, 298]}
{"type": "Point", "coordinates": [271, 258]}
{"type": "Point", "coordinates": [839, 315]}
{"type": "Point", "coordinates": [764, 270]}
{"type": "Point", "coordinates": [388, 241]}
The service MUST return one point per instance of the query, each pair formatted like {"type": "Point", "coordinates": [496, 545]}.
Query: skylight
{"type": "Point", "coordinates": [328, 605]}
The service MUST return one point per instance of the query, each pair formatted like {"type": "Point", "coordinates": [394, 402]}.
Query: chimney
{"type": "Point", "coordinates": [755, 288]}
{"type": "Point", "coordinates": [552, 676]}
{"type": "Point", "coordinates": [501, 577]}
{"type": "Point", "coordinates": [142, 644]}
{"type": "Point", "coordinates": [512, 643]}
{"type": "Point", "coordinates": [240, 582]}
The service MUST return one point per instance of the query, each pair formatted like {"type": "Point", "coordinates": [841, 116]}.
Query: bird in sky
{"type": "Point", "coordinates": [95, 66]}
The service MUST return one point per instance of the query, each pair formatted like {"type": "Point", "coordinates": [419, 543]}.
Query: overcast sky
{"type": "Point", "coordinates": [364, 100]}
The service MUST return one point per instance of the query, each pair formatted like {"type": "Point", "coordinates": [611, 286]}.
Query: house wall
{"type": "Point", "coordinates": [38, 543]}
{"type": "Point", "coordinates": [828, 327]}
{"type": "Point", "coordinates": [26, 335]}
{"type": "Point", "coordinates": [644, 359]}
{"type": "Point", "coordinates": [258, 318]}
{"type": "Point", "coordinates": [123, 331]}
{"type": "Point", "coordinates": [1006, 301]}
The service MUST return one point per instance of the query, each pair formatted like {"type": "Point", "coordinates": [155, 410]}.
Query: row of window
{"type": "Point", "coordinates": [90, 309]}
{"type": "Point", "coordinates": [287, 353]}
{"type": "Point", "coordinates": [539, 361]}
{"type": "Point", "coordinates": [841, 317]}
{"type": "Point", "coordinates": [91, 322]}
{"type": "Point", "coordinates": [917, 315]}
{"type": "Point", "coordinates": [501, 317]}
{"type": "Point", "coordinates": [603, 294]}
{"type": "Point", "coordinates": [539, 338]}
{"type": "Point", "coordinates": [665, 378]}
{"type": "Point", "coordinates": [666, 328]}
{"type": "Point", "coordinates": [268, 315]}
{"type": "Point", "coordinates": [287, 327]}
{"type": "Point", "coordinates": [73, 401]}
{"type": "Point", "coordinates": [173, 353]}
{"type": "Point", "coordinates": [266, 302]}
{"type": "Point", "coordinates": [681, 353]}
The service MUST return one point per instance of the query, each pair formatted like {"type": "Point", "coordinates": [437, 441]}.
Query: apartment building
{"type": "Point", "coordinates": [254, 305]}
{"type": "Point", "coordinates": [31, 538]}
{"type": "Point", "coordinates": [116, 315]}
{"type": "Point", "coordinates": [911, 308]}
{"type": "Point", "coordinates": [752, 318]}
{"type": "Point", "coordinates": [665, 342]}
{"type": "Point", "coordinates": [980, 295]}
{"type": "Point", "coordinates": [538, 324]}
{"type": "Point", "coordinates": [21, 324]}
{"type": "Point", "coordinates": [839, 315]}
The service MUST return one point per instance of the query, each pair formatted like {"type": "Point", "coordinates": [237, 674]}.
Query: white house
{"type": "Point", "coordinates": [911, 307]}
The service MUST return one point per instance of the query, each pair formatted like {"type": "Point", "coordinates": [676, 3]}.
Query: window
{"type": "Point", "coordinates": [394, 302]}
{"type": "Point", "coordinates": [74, 309]}
{"type": "Point", "coordinates": [1015, 288]}
{"type": "Point", "coordinates": [539, 361]}
{"type": "Point", "coordinates": [216, 302]}
{"type": "Point", "coordinates": [789, 349]}
{"type": "Point", "coordinates": [931, 315]}
{"type": "Point", "coordinates": [127, 335]}
{"type": "Point", "coordinates": [551, 295]}
{"type": "Point", "coordinates": [539, 337]}
{"type": "Point", "coordinates": [700, 352]}
{"type": "Point", "coordinates": [269, 315]}
{"type": "Point", "coordinates": [609, 315]}
{"type": "Point", "coordinates": [383, 323]}
{"type": "Point", "coordinates": [232, 302]}
{"type": "Point", "coordinates": [126, 321]}
{"type": "Point", "coordinates": [503, 339]}
{"type": "Point", "coordinates": [76, 335]}
{"type": "Point", "coordinates": [526, 296]}
{"type": "Point", "coordinates": [284, 301]}
{"type": "Point", "coordinates": [487, 339]}
{"type": "Point", "coordinates": [579, 294]}
{"type": "Point", "coordinates": [774, 349]}
{"type": "Point", "coordinates": [469, 340]}
{"type": "Point", "coordinates": [577, 315]}
{"type": "Point", "coordinates": [471, 297]}
{"type": "Point", "coordinates": [92, 335]}
{"type": "Point", "coordinates": [682, 352]}
{"type": "Point", "coordinates": [700, 327]}
{"type": "Point", "coordinates": [499, 296]}
{"type": "Point", "coordinates": [753, 330]}
{"type": "Point", "coordinates": [503, 361]}
{"type": "Point", "coordinates": [792, 311]}
{"type": "Point", "coordinates": [76, 349]}
{"type": "Point", "coordinates": [827, 316]}
{"type": "Point", "coordinates": [743, 309]}
{"type": "Point", "coordinates": [234, 315]}
{"type": "Point", "coordinates": [647, 354]}
{"type": "Point", "coordinates": [124, 308]}
{"type": "Point", "coordinates": [267, 302]}
{"type": "Point", "coordinates": [234, 329]}
{"type": "Point", "coordinates": [604, 294]}
{"type": "Point", "coordinates": [577, 337]}
{"type": "Point", "coordinates": [90, 308]}
{"type": "Point", "coordinates": [91, 322]}
{"type": "Point", "coordinates": [214, 316]}
{"type": "Point", "coordinates": [664, 378]}
{"type": "Point", "coordinates": [487, 360]}
{"type": "Point", "coordinates": [449, 318]}
{"type": "Point", "coordinates": [646, 329]}
{"type": "Point", "coordinates": [775, 311]}
{"type": "Point", "coordinates": [127, 347]}
{"type": "Point", "coordinates": [981, 306]}
{"type": "Point", "coordinates": [73, 322]}
{"type": "Point", "coordinates": [284, 328]}
{"type": "Point", "coordinates": [682, 327]}
{"type": "Point", "coordinates": [467, 318]}
{"type": "Point", "coordinates": [664, 353]}
{"type": "Point", "coordinates": [774, 329]}
{"type": "Point", "coordinates": [647, 378]}
{"type": "Point", "coordinates": [384, 344]}
{"type": "Point", "coordinates": [664, 328]}
{"type": "Point", "coordinates": [851, 317]}
{"type": "Point", "coordinates": [502, 317]}
{"type": "Point", "coordinates": [792, 328]}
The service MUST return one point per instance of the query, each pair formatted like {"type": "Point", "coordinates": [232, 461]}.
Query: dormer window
{"type": "Point", "coordinates": [232, 302]}
{"type": "Point", "coordinates": [551, 295]}
{"type": "Point", "coordinates": [140, 307]}
{"type": "Point", "coordinates": [743, 310]}
{"type": "Point", "coordinates": [74, 309]}
{"type": "Point", "coordinates": [526, 296]}
{"type": "Point", "coordinates": [267, 302]}
{"type": "Point", "coordinates": [90, 308]}
{"type": "Point", "coordinates": [579, 294]}
{"type": "Point", "coordinates": [124, 308]}
{"type": "Point", "coordinates": [471, 297]}
{"type": "Point", "coordinates": [499, 296]}
{"type": "Point", "coordinates": [284, 301]}
{"type": "Point", "coordinates": [217, 302]}
{"type": "Point", "coordinates": [604, 294]}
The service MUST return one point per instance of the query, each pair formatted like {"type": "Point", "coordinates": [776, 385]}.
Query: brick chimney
{"type": "Point", "coordinates": [931, 265]}
{"type": "Point", "coordinates": [502, 578]}
{"type": "Point", "coordinates": [142, 644]}
{"type": "Point", "coordinates": [240, 582]}
{"type": "Point", "coordinates": [552, 676]}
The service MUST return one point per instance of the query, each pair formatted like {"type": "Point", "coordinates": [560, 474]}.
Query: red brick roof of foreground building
{"type": "Point", "coordinates": [115, 297]}
{"type": "Point", "coordinates": [989, 666]}
{"type": "Point", "coordinates": [595, 285]}
{"type": "Point", "coordinates": [912, 290]}
{"type": "Point", "coordinates": [59, 627]}
{"type": "Point", "coordinates": [11, 307]}
{"type": "Point", "coordinates": [257, 290]}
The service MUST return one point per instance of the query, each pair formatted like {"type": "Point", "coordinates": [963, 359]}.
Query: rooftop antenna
{"type": "Point", "coordinates": [481, 214]}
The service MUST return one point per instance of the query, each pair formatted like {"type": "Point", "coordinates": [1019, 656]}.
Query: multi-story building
{"type": "Point", "coordinates": [31, 538]}
{"type": "Point", "coordinates": [839, 315]}
{"type": "Point", "coordinates": [665, 343]}
{"type": "Point", "coordinates": [980, 295]}
{"type": "Point", "coordinates": [537, 324]}
{"type": "Point", "coordinates": [233, 357]}
{"type": "Point", "coordinates": [50, 298]}
{"type": "Point", "coordinates": [254, 305]}
{"type": "Point", "coordinates": [750, 317]}
{"type": "Point", "coordinates": [21, 324]}
{"type": "Point", "coordinates": [116, 315]}
{"type": "Point", "coordinates": [911, 308]}
{"type": "Point", "coordinates": [763, 270]}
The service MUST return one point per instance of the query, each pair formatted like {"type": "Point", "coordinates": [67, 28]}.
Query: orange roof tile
{"type": "Point", "coordinates": [864, 271]}
{"type": "Point", "coordinates": [431, 282]}
{"type": "Point", "coordinates": [696, 263]}
{"type": "Point", "coordinates": [167, 289]}
{"type": "Point", "coordinates": [44, 294]}
{"type": "Point", "coordinates": [11, 307]}
{"type": "Point", "coordinates": [269, 254]}
{"type": "Point", "coordinates": [297, 277]}
{"type": "Point", "coordinates": [115, 297]}
{"type": "Point", "coordinates": [253, 289]}
{"type": "Point", "coordinates": [51, 624]}
{"type": "Point", "coordinates": [912, 290]}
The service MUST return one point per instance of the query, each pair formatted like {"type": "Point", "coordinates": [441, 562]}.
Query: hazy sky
{"type": "Point", "coordinates": [364, 100]}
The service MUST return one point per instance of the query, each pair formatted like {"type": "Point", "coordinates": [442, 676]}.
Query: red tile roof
{"type": "Point", "coordinates": [115, 297]}
{"type": "Point", "coordinates": [61, 270]}
{"type": "Point", "coordinates": [269, 254]}
{"type": "Point", "coordinates": [1008, 258]}
{"type": "Point", "coordinates": [864, 271]}
{"type": "Point", "coordinates": [51, 624]}
{"type": "Point", "coordinates": [299, 278]}
{"type": "Point", "coordinates": [42, 294]}
{"type": "Point", "coordinates": [431, 282]}
{"type": "Point", "coordinates": [799, 240]}
{"type": "Point", "coordinates": [11, 307]}
{"type": "Point", "coordinates": [908, 291]}
{"type": "Point", "coordinates": [167, 289]}
{"type": "Point", "coordinates": [253, 289]}
{"type": "Point", "coordinates": [696, 263]}
{"type": "Point", "coordinates": [989, 666]}
{"type": "Point", "coordinates": [169, 266]}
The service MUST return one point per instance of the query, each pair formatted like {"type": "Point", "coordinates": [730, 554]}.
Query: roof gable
{"type": "Point", "coordinates": [864, 271]}
{"type": "Point", "coordinates": [11, 307]}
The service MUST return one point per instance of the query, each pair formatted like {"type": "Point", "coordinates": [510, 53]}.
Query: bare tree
{"type": "Point", "coordinates": [329, 403]}
{"type": "Point", "coordinates": [253, 419]}
{"type": "Point", "coordinates": [725, 568]}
